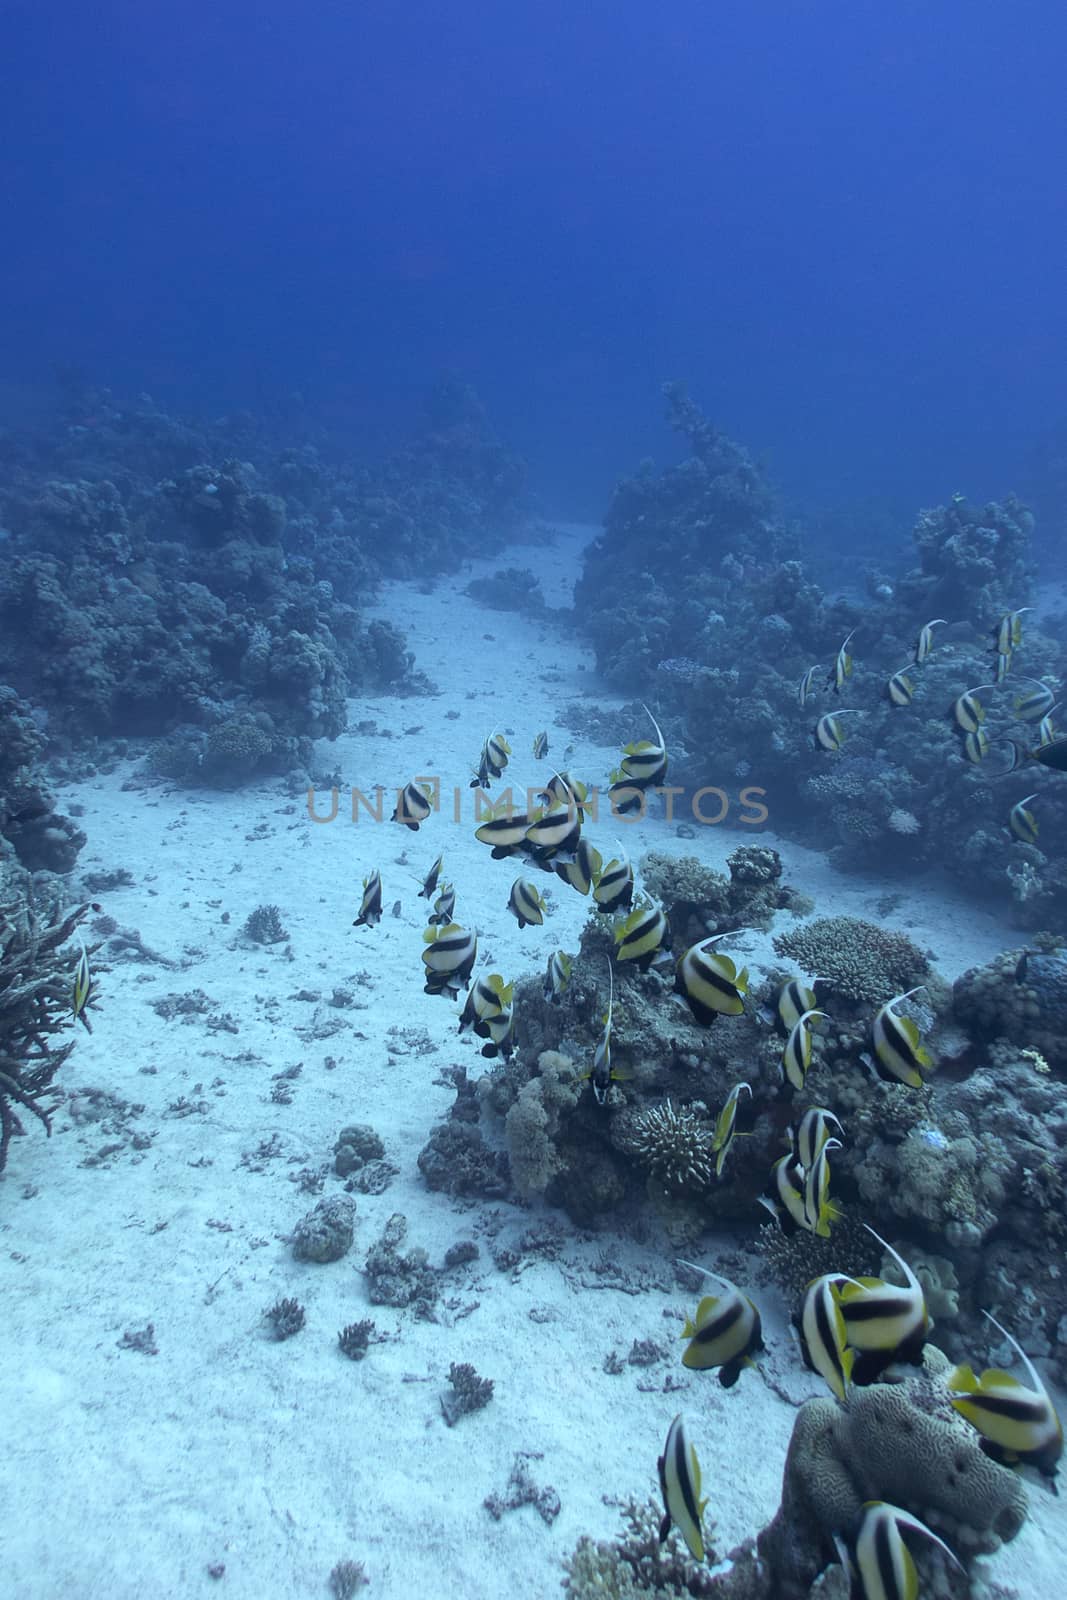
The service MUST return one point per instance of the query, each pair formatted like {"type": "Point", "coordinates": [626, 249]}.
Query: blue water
{"type": "Point", "coordinates": [842, 224]}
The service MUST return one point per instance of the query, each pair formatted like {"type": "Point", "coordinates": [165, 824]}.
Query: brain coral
{"type": "Point", "coordinates": [900, 1442]}
{"type": "Point", "coordinates": [858, 959]}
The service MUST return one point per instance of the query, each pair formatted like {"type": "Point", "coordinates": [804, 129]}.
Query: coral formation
{"type": "Point", "coordinates": [40, 838]}
{"type": "Point", "coordinates": [694, 599]}
{"type": "Point", "coordinates": [468, 1392]}
{"type": "Point", "coordinates": [1020, 996]}
{"type": "Point", "coordinates": [900, 1442]}
{"type": "Point", "coordinates": [36, 987]}
{"type": "Point", "coordinates": [396, 1279]}
{"type": "Point", "coordinates": [326, 1232]}
{"type": "Point", "coordinates": [675, 1146]}
{"type": "Point", "coordinates": [202, 584]}
{"type": "Point", "coordinates": [857, 960]}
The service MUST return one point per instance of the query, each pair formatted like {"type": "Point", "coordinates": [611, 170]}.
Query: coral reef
{"type": "Point", "coordinates": [901, 1442]}
{"type": "Point", "coordinates": [1020, 996]}
{"type": "Point", "coordinates": [694, 599]}
{"type": "Point", "coordinates": [40, 838]}
{"type": "Point", "coordinates": [203, 585]}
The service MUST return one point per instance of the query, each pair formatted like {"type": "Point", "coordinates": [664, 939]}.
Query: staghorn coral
{"type": "Point", "coordinates": [36, 977]}
{"type": "Point", "coordinates": [857, 959]}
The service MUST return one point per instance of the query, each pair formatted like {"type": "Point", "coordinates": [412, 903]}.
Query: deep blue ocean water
{"type": "Point", "coordinates": [842, 224]}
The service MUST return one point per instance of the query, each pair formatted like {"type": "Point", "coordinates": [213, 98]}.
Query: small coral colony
{"type": "Point", "coordinates": [853, 1331]}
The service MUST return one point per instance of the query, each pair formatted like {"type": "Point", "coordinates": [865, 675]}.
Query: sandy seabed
{"type": "Point", "coordinates": [127, 1473]}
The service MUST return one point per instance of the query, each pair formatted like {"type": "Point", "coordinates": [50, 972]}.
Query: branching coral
{"type": "Point", "coordinates": [36, 981]}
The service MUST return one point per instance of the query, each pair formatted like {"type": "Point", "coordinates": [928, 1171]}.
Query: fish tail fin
{"type": "Point", "coordinates": [963, 1379]}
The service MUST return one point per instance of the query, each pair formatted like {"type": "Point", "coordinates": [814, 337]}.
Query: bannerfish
{"type": "Point", "coordinates": [829, 734]}
{"type": "Point", "coordinates": [784, 1198]}
{"type": "Point", "coordinates": [489, 995]}
{"type": "Point", "coordinates": [81, 992]}
{"type": "Point", "coordinates": [806, 687]}
{"type": "Point", "coordinates": [679, 1481]}
{"type": "Point", "coordinates": [1016, 1423]}
{"type": "Point", "coordinates": [925, 642]}
{"type": "Point", "coordinates": [602, 1074]}
{"type": "Point", "coordinates": [444, 906]}
{"type": "Point", "coordinates": [842, 667]}
{"type": "Point", "coordinates": [901, 689]}
{"type": "Point", "coordinates": [812, 1133]}
{"type": "Point", "coordinates": [613, 888]}
{"type": "Point", "coordinates": [900, 1054]}
{"type": "Point", "coordinates": [413, 805]}
{"type": "Point", "coordinates": [526, 904]}
{"type": "Point", "coordinates": [493, 760]}
{"type": "Point", "coordinates": [709, 983]}
{"type": "Point", "coordinates": [449, 959]}
{"type": "Point", "coordinates": [968, 711]}
{"type": "Point", "coordinates": [561, 787]}
{"type": "Point", "coordinates": [820, 1212]}
{"type": "Point", "coordinates": [554, 833]}
{"type": "Point", "coordinates": [429, 884]}
{"type": "Point", "coordinates": [1022, 822]}
{"type": "Point", "coordinates": [540, 746]}
{"type": "Point", "coordinates": [880, 1566]}
{"type": "Point", "coordinates": [1047, 732]}
{"type": "Point", "coordinates": [644, 761]}
{"type": "Point", "coordinates": [583, 870]}
{"type": "Point", "coordinates": [499, 1032]}
{"type": "Point", "coordinates": [1036, 703]}
{"type": "Point", "coordinates": [821, 1328]}
{"type": "Point", "coordinates": [504, 829]}
{"type": "Point", "coordinates": [1009, 631]}
{"type": "Point", "coordinates": [725, 1332]}
{"type": "Point", "coordinates": [794, 998]}
{"type": "Point", "coordinates": [796, 1053]}
{"type": "Point", "coordinates": [884, 1323]}
{"type": "Point", "coordinates": [976, 746]}
{"type": "Point", "coordinates": [557, 976]}
{"type": "Point", "coordinates": [643, 936]}
{"type": "Point", "coordinates": [370, 911]}
{"type": "Point", "coordinates": [1003, 666]}
{"type": "Point", "coordinates": [726, 1127]}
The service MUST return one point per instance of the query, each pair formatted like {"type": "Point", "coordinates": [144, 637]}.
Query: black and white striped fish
{"type": "Point", "coordinates": [370, 911]}
{"type": "Point", "coordinates": [679, 1481]}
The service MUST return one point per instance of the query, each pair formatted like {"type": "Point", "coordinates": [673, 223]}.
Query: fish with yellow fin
{"type": "Point", "coordinates": [900, 1054]}
{"type": "Point", "coordinates": [726, 1331]}
{"type": "Point", "coordinates": [1016, 1423]}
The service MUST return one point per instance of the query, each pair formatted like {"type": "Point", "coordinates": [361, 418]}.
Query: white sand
{"type": "Point", "coordinates": [128, 1474]}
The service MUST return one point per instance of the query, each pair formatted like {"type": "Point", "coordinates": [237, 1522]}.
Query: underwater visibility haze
{"type": "Point", "coordinates": [533, 800]}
